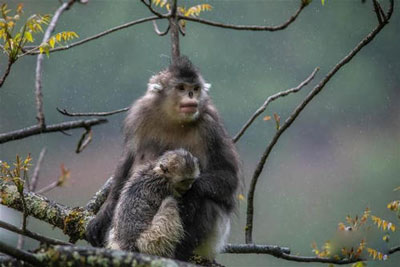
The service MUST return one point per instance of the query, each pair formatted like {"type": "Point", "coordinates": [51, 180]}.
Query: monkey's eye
{"type": "Point", "coordinates": [196, 88]}
{"type": "Point", "coordinates": [180, 87]}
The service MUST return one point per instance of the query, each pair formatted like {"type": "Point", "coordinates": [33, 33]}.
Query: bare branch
{"type": "Point", "coordinates": [48, 187]}
{"type": "Point", "coordinates": [270, 99]}
{"type": "Point", "coordinates": [97, 36]}
{"type": "Point", "coordinates": [157, 30]}
{"type": "Point", "coordinates": [152, 10]}
{"type": "Point", "coordinates": [174, 28]}
{"type": "Point", "coordinates": [378, 11]}
{"type": "Point", "coordinates": [36, 236]}
{"type": "Point", "coordinates": [280, 252]}
{"type": "Point", "coordinates": [98, 114]}
{"type": "Point", "coordinates": [36, 129]}
{"type": "Point", "coordinates": [39, 63]}
{"type": "Point", "coordinates": [84, 141]}
{"type": "Point", "coordinates": [6, 72]}
{"type": "Point", "coordinates": [294, 115]}
{"type": "Point", "coordinates": [19, 254]}
{"type": "Point", "coordinates": [394, 250]}
{"type": "Point", "coordinates": [98, 199]}
{"type": "Point", "coordinates": [35, 176]}
{"type": "Point", "coordinates": [303, 4]}
{"type": "Point", "coordinates": [254, 249]}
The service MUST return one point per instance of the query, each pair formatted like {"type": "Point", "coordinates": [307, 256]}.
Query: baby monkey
{"type": "Point", "coordinates": [146, 218]}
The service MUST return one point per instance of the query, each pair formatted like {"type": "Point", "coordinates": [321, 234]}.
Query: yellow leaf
{"type": "Point", "coordinates": [52, 42]}
{"type": "Point", "coordinates": [58, 37]}
{"type": "Point", "coordinates": [28, 37]}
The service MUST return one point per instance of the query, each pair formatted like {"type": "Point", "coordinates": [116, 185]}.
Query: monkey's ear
{"type": "Point", "coordinates": [207, 86]}
{"type": "Point", "coordinates": [155, 87]}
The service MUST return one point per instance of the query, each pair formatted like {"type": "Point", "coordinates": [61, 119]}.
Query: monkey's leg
{"type": "Point", "coordinates": [165, 231]}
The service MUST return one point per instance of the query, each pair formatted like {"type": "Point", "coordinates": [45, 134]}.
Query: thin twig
{"type": "Point", "coordinates": [39, 63]}
{"type": "Point", "coordinates": [48, 187]}
{"type": "Point", "coordinates": [270, 99]}
{"type": "Point", "coordinates": [152, 10]}
{"type": "Point", "coordinates": [6, 72]}
{"type": "Point", "coordinates": [377, 11]}
{"type": "Point", "coordinates": [157, 30]}
{"type": "Point", "coordinates": [123, 26]}
{"type": "Point", "coordinates": [84, 141]}
{"type": "Point", "coordinates": [394, 249]}
{"type": "Point", "coordinates": [19, 254]}
{"type": "Point", "coordinates": [303, 4]}
{"type": "Point", "coordinates": [35, 176]}
{"type": "Point", "coordinates": [33, 235]}
{"type": "Point", "coordinates": [98, 199]}
{"type": "Point", "coordinates": [294, 115]}
{"type": "Point", "coordinates": [98, 114]}
{"type": "Point", "coordinates": [36, 129]}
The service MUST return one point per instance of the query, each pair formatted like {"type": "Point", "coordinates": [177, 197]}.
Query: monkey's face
{"type": "Point", "coordinates": [184, 101]}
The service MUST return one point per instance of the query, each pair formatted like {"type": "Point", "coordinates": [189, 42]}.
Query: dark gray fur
{"type": "Point", "coordinates": [149, 133]}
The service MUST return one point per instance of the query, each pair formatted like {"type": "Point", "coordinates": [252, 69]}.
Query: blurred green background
{"type": "Point", "coordinates": [340, 156]}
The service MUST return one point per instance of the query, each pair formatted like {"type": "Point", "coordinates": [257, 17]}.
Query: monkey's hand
{"type": "Point", "coordinates": [97, 228]}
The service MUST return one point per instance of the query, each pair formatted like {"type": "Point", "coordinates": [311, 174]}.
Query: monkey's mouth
{"type": "Point", "coordinates": [188, 108]}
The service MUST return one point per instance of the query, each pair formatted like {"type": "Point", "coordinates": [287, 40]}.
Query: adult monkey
{"type": "Point", "coordinates": [176, 112]}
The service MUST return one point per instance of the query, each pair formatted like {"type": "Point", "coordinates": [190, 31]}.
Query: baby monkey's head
{"type": "Point", "coordinates": [180, 167]}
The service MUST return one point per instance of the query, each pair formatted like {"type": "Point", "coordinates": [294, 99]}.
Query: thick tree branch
{"type": "Point", "coordinates": [269, 100]}
{"type": "Point", "coordinates": [38, 237]}
{"type": "Point", "coordinates": [98, 199]}
{"type": "Point", "coordinates": [394, 250]}
{"type": "Point", "coordinates": [295, 114]}
{"type": "Point", "coordinates": [71, 220]}
{"type": "Point", "coordinates": [303, 4]}
{"type": "Point", "coordinates": [36, 129]}
{"type": "Point", "coordinates": [87, 114]}
{"type": "Point", "coordinates": [19, 254]}
{"type": "Point", "coordinates": [94, 37]}
{"type": "Point", "coordinates": [174, 29]}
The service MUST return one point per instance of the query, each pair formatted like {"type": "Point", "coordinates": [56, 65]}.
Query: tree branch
{"type": "Point", "coordinates": [269, 100]}
{"type": "Point", "coordinates": [87, 114]}
{"type": "Point", "coordinates": [39, 63]}
{"type": "Point", "coordinates": [152, 10]}
{"type": "Point", "coordinates": [295, 114]}
{"type": "Point", "coordinates": [97, 36]}
{"type": "Point", "coordinates": [72, 221]}
{"type": "Point", "coordinates": [303, 4]}
{"type": "Point", "coordinates": [394, 250]}
{"type": "Point", "coordinates": [6, 72]}
{"type": "Point", "coordinates": [19, 254]}
{"type": "Point", "coordinates": [174, 28]}
{"type": "Point", "coordinates": [35, 176]}
{"type": "Point", "coordinates": [38, 237]}
{"type": "Point", "coordinates": [98, 199]}
{"type": "Point", "coordinates": [157, 30]}
{"type": "Point", "coordinates": [36, 129]}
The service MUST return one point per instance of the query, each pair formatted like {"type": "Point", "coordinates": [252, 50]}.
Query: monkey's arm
{"type": "Point", "coordinates": [97, 228]}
